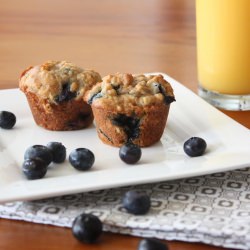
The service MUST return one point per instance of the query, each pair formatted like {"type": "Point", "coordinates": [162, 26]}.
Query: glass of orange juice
{"type": "Point", "coordinates": [223, 52]}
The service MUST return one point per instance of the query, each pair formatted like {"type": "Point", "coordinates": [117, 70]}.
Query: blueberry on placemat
{"type": "Point", "coordinates": [87, 228]}
{"type": "Point", "coordinates": [136, 202]}
{"type": "Point", "coordinates": [151, 244]}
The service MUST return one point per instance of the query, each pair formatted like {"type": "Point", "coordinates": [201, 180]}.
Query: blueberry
{"type": "Point", "coordinates": [151, 244]}
{"type": "Point", "coordinates": [87, 228]}
{"type": "Point", "coordinates": [82, 158]}
{"type": "Point", "coordinates": [65, 94]}
{"type": "Point", "coordinates": [130, 153]}
{"type": "Point", "coordinates": [39, 151]}
{"type": "Point", "coordinates": [58, 151]}
{"type": "Point", "coordinates": [7, 120]}
{"type": "Point", "coordinates": [34, 168]}
{"type": "Point", "coordinates": [116, 88]}
{"type": "Point", "coordinates": [136, 202]}
{"type": "Point", "coordinates": [168, 99]}
{"type": "Point", "coordinates": [93, 97]}
{"type": "Point", "coordinates": [130, 125]}
{"type": "Point", "coordinates": [195, 146]}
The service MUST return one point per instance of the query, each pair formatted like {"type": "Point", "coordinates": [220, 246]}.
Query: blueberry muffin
{"type": "Point", "coordinates": [130, 108]}
{"type": "Point", "coordinates": [55, 91]}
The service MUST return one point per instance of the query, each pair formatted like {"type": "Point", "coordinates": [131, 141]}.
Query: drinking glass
{"type": "Point", "coordinates": [223, 52]}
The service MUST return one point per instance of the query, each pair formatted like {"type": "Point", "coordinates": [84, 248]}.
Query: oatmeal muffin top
{"type": "Point", "coordinates": [58, 81]}
{"type": "Point", "coordinates": [125, 91]}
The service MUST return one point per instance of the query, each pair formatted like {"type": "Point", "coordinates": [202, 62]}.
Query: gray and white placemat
{"type": "Point", "coordinates": [213, 209]}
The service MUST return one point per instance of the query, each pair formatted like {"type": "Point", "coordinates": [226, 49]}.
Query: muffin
{"type": "Point", "coordinates": [55, 91]}
{"type": "Point", "coordinates": [130, 108]}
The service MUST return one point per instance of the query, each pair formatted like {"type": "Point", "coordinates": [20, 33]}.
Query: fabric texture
{"type": "Point", "coordinates": [213, 209]}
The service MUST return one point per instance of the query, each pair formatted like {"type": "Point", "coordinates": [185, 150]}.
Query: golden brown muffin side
{"type": "Point", "coordinates": [149, 125]}
{"type": "Point", "coordinates": [68, 116]}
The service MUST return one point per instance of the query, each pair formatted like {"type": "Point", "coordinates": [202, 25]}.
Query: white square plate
{"type": "Point", "coordinates": [228, 148]}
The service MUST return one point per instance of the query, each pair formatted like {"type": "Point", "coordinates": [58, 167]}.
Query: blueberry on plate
{"type": "Point", "coordinates": [58, 151]}
{"type": "Point", "coordinates": [151, 244]}
{"type": "Point", "coordinates": [34, 168]}
{"type": "Point", "coordinates": [136, 202]}
{"type": "Point", "coordinates": [130, 153]}
{"type": "Point", "coordinates": [39, 151]}
{"type": "Point", "coordinates": [195, 146]}
{"type": "Point", "coordinates": [82, 158]}
{"type": "Point", "coordinates": [7, 120]}
{"type": "Point", "coordinates": [87, 228]}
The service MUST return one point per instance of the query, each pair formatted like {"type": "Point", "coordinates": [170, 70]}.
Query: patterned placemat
{"type": "Point", "coordinates": [213, 209]}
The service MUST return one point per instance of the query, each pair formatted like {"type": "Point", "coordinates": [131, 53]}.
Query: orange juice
{"type": "Point", "coordinates": [223, 45]}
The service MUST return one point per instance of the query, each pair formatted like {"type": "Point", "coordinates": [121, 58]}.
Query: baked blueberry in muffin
{"type": "Point", "coordinates": [55, 91]}
{"type": "Point", "coordinates": [130, 108]}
